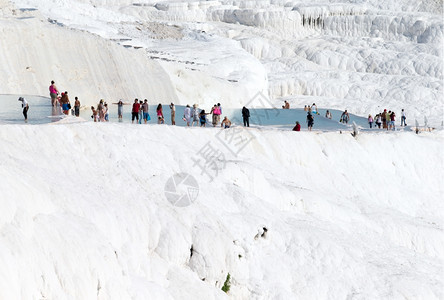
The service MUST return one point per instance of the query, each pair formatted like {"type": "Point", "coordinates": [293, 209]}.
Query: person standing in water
{"type": "Point", "coordinates": [53, 93]}
{"type": "Point", "coordinates": [76, 107]}
{"type": "Point", "coordinates": [120, 105]}
{"type": "Point", "coordinates": [66, 105]}
{"type": "Point", "coordinates": [106, 112]}
{"type": "Point", "coordinates": [328, 114]}
{"type": "Point", "coordinates": [246, 116]}
{"type": "Point", "coordinates": [160, 118]}
{"type": "Point", "coordinates": [195, 115]}
{"type": "Point", "coordinates": [187, 115]}
{"type": "Point", "coordinates": [403, 117]}
{"type": "Point", "coordinates": [345, 117]}
{"type": "Point", "coordinates": [173, 113]}
{"type": "Point", "coordinates": [314, 109]}
{"type": "Point", "coordinates": [370, 121]}
{"type": "Point", "coordinates": [144, 109]}
{"type": "Point", "coordinates": [140, 112]}
{"type": "Point", "coordinates": [101, 111]}
{"type": "Point", "coordinates": [25, 107]}
{"type": "Point", "coordinates": [135, 111]}
{"type": "Point", "coordinates": [94, 113]}
{"type": "Point", "coordinates": [203, 118]}
{"type": "Point", "coordinates": [310, 121]}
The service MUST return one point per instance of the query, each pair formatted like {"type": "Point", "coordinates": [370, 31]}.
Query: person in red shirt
{"type": "Point", "coordinates": [297, 127]}
{"type": "Point", "coordinates": [135, 111]}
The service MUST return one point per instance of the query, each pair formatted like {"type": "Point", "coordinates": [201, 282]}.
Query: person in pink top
{"type": "Point", "coordinates": [53, 92]}
{"type": "Point", "coordinates": [160, 118]}
{"type": "Point", "coordinates": [216, 115]}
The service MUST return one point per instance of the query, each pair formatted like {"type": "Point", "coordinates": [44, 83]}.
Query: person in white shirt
{"type": "Point", "coordinates": [187, 115]}
{"type": "Point", "coordinates": [314, 109]}
{"type": "Point", "coordinates": [328, 114]}
{"type": "Point", "coordinates": [403, 118]}
{"type": "Point", "coordinates": [25, 106]}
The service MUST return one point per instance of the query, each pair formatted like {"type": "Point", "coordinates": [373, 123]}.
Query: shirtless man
{"type": "Point", "coordinates": [226, 123]}
{"type": "Point", "coordinates": [144, 109]}
{"type": "Point", "coordinates": [77, 107]}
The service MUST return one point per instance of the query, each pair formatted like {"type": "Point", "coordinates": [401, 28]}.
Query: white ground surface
{"type": "Point", "coordinates": [83, 213]}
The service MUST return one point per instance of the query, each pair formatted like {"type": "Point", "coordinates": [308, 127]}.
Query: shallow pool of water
{"type": "Point", "coordinates": [41, 112]}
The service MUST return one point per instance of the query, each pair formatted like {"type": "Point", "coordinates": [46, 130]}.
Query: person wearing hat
{"type": "Point", "coordinates": [25, 107]}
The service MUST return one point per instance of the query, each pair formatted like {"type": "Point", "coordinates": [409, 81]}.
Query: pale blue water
{"type": "Point", "coordinates": [41, 112]}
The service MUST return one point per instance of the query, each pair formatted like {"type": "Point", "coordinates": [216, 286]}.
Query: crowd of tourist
{"type": "Point", "coordinates": [195, 116]}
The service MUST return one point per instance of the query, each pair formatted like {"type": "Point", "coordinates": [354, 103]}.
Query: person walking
{"type": "Point", "coordinates": [403, 118]}
{"type": "Point", "coordinates": [345, 117]}
{"type": "Point", "coordinates": [195, 115]}
{"type": "Point", "coordinates": [370, 120]}
{"type": "Point", "coordinates": [135, 111]}
{"type": "Point", "coordinates": [76, 107]}
{"type": "Point", "coordinates": [66, 105]}
{"type": "Point", "coordinates": [310, 121]}
{"type": "Point", "coordinates": [53, 93]}
{"type": "Point", "coordinates": [216, 115]}
{"type": "Point", "coordinates": [160, 118]}
{"type": "Point", "coordinates": [378, 120]}
{"type": "Point", "coordinates": [25, 107]}
{"type": "Point", "coordinates": [203, 118]}
{"type": "Point", "coordinates": [187, 115]}
{"type": "Point", "coordinates": [297, 127]}
{"type": "Point", "coordinates": [173, 113]}
{"type": "Point", "coordinates": [392, 120]}
{"type": "Point", "coordinates": [246, 116]}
